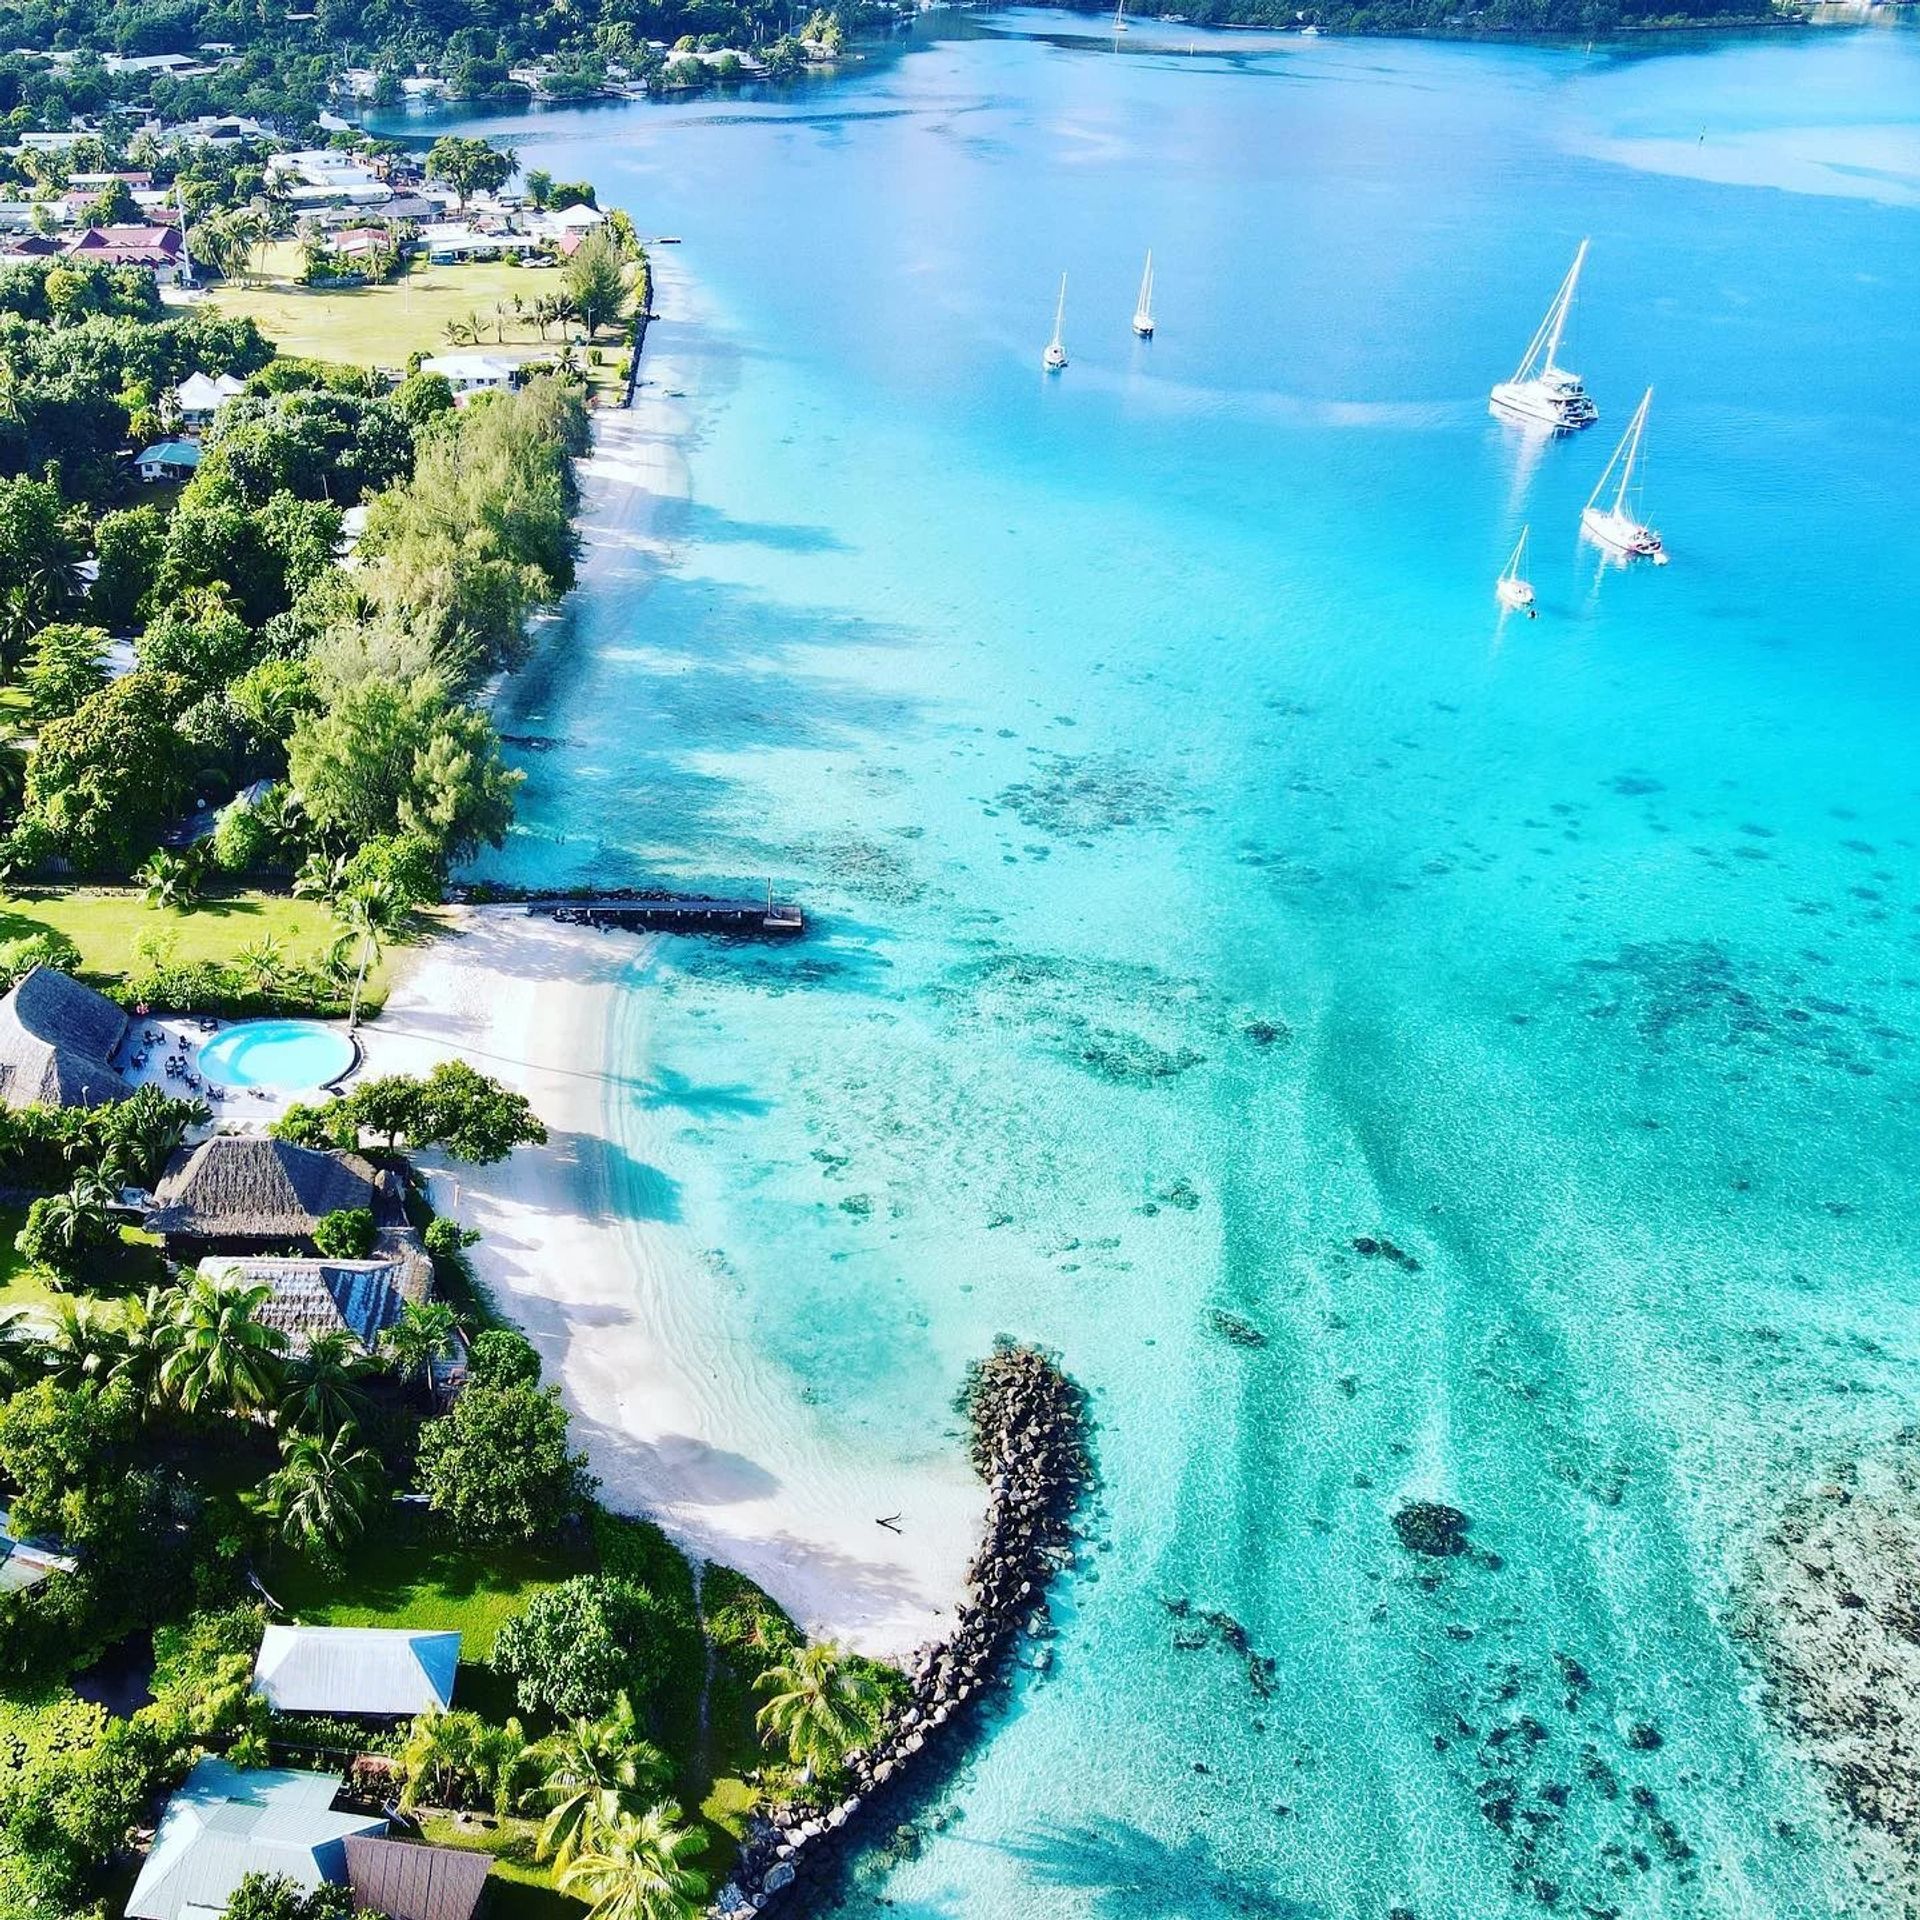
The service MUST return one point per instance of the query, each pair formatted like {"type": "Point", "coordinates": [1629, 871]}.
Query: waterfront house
{"type": "Point", "coordinates": [359, 1673]}
{"type": "Point", "coordinates": [199, 398]}
{"type": "Point", "coordinates": [227, 1822]}
{"type": "Point", "coordinates": [246, 1194]}
{"type": "Point", "coordinates": [407, 1881]}
{"type": "Point", "coordinates": [58, 1041]}
{"type": "Point", "coordinates": [469, 373]}
{"type": "Point", "coordinates": [167, 460]}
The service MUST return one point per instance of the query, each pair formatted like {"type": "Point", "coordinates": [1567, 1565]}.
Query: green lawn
{"type": "Point", "coordinates": [380, 326]}
{"type": "Point", "coordinates": [408, 1576]}
{"type": "Point", "coordinates": [107, 924]}
{"type": "Point", "coordinates": [23, 1287]}
{"type": "Point", "coordinates": [521, 1889]}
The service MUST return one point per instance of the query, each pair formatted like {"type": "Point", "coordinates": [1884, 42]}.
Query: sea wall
{"type": "Point", "coordinates": [1029, 1443]}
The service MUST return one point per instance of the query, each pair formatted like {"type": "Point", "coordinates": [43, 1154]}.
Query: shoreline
{"type": "Point", "coordinates": [682, 1419]}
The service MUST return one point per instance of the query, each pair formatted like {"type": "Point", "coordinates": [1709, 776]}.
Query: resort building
{"type": "Point", "coordinates": [360, 1673]}
{"type": "Point", "coordinates": [58, 1040]}
{"type": "Point", "coordinates": [199, 399]}
{"type": "Point", "coordinates": [312, 1297]}
{"type": "Point", "coordinates": [226, 1822]}
{"type": "Point", "coordinates": [244, 1194]}
{"type": "Point", "coordinates": [167, 460]}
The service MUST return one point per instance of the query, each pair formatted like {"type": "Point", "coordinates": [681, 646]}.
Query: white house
{"type": "Point", "coordinates": [472, 372]}
{"type": "Point", "coordinates": [167, 460]}
{"type": "Point", "coordinates": [199, 398]}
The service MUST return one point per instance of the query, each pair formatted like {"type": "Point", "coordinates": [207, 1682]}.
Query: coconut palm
{"type": "Point", "coordinates": [425, 1332]}
{"type": "Point", "coordinates": [588, 1767]}
{"type": "Point", "coordinates": [263, 962]}
{"type": "Point", "coordinates": [22, 1352]}
{"type": "Point", "coordinates": [367, 915]}
{"type": "Point", "coordinates": [505, 1763]}
{"type": "Point", "coordinates": [438, 1756]}
{"type": "Point", "coordinates": [169, 879]}
{"type": "Point", "coordinates": [76, 1220]}
{"type": "Point", "coordinates": [143, 1340]}
{"type": "Point", "coordinates": [83, 1345]}
{"type": "Point", "coordinates": [321, 876]}
{"type": "Point", "coordinates": [148, 1126]}
{"type": "Point", "coordinates": [324, 1385]}
{"type": "Point", "coordinates": [322, 1492]}
{"type": "Point", "coordinates": [219, 1353]}
{"type": "Point", "coordinates": [824, 1705]}
{"type": "Point", "coordinates": [635, 1868]}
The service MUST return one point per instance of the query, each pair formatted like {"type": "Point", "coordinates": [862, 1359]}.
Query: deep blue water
{"type": "Point", "coordinates": [1209, 878]}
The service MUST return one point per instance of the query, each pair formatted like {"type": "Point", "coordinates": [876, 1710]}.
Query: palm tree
{"type": "Point", "coordinates": [143, 1341]}
{"type": "Point", "coordinates": [169, 879]}
{"type": "Point", "coordinates": [635, 1868]}
{"type": "Point", "coordinates": [824, 1705]}
{"type": "Point", "coordinates": [322, 1492]}
{"type": "Point", "coordinates": [84, 1345]}
{"type": "Point", "coordinates": [504, 1761]}
{"type": "Point", "coordinates": [219, 1353]}
{"type": "Point", "coordinates": [321, 876]}
{"type": "Point", "coordinates": [367, 915]}
{"type": "Point", "coordinates": [76, 1220]}
{"type": "Point", "coordinates": [324, 1393]}
{"type": "Point", "coordinates": [588, 1767]}
{"type": "Point", "coordinates": [438, 1753]}
{"type": "Point", "coordinates": [423, 1334]}
{"type": "Point", "coordinates": [22, 1353]}
{"type": "Point", "coordinates": [149, 1125]}
{"type": "Point", "coordinates": [263, 962]}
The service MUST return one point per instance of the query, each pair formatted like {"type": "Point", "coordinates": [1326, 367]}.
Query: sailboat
{"type": "Point", "coordinates": [1120, 16]}
{"type": "Point", "coordinates": [1514, 593]}
{"type": "Point", "coordinates": [1617, 527]}
{"type": "Point", "coordinates": [1143, 309]}
{"type": "Point", "coordinates": [1543, 393]}
{"type": "Point", "coordinates": [1055, 357]}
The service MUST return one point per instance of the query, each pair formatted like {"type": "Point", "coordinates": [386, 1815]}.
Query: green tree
{"type": "Point", "coordinates": [347, 1233]}
{"type": "Point", "coordinates": [598, 281]}
{"type": "Point", "coordinates": [128, 546]}
{"type": "Point", "coordinates": [470, 166]}
{"type": "Point", "coordinates": [170, 880]}
{"type": "Point", "coordinates": [638, 1867]}
{"type": "Point", "coordinates": [323, 1491]}
{"type": "Point", "coordinates": [105, 780]}
{"type": "Point", "coordinates": [326, 1385]}
{"type": "Point", "coordinates": [367, 915]}
{"type": "Point", "coordinates": [424, 1334]}
{"type": "Point", "coordinates": [64, 1230]}
{"type": "Point", "coordinates": [499, 1467]}
{"type": "Point", "coordinates": [68, 665]}
{"type": "Point", "coordinates": [39, 562]}
{"type": "Point", "coordinates": [455, 1106]}
{"type": "Point", "coordinates": [586, 1763]}
{"type": "Point", "coordinates": [391, 757]}
{"type": "Point", "coordinates": [83, 1346]}
{"type": "Point", "coordinates": [824, 1703]}
{"type": "Point", "coordinates": [220, 1355]}
{"type": "Point", "coordinates": [274, 1896]}
{"type": "Point", "coordinates": [574, 1650]}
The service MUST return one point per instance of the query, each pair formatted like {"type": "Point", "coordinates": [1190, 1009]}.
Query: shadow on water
{"type": "Point", "coordinates": [1130, 1874]}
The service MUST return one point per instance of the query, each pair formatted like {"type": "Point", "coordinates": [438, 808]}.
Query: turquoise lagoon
{"type": "Point", "coordinates": [1208, 879]}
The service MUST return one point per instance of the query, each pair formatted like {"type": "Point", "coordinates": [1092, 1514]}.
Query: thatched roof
{"type": "Point", "coordinates": [57, 1040]}
{"type": "Point", "coordinates": [235, 1187]}
{"type": "Point", "coordinates": [407, 1880]}
{"type": "Point", "coordinates": [312, 1297]}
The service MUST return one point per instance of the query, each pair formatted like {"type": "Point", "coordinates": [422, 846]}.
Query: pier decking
{"type": "Point", "coordinates": [767, 919]}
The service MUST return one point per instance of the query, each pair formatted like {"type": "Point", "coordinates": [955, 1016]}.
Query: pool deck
{"type": "Point", "coordinates": [184, 1035]}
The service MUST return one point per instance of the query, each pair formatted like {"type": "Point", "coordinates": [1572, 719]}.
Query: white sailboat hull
{"type": "Point", "coordinates": [1514, 594]}
{"type": "Point", "coordinates": [1054, 359]}
{"type": "Point", "coordinates": [1619, 533]}
{"type": "Point", "coordinates": [1143, 325]}
{"type": "Point", "coordinates": [1562, 405]}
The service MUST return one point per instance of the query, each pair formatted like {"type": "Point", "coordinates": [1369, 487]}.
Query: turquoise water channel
{"type": "Point", "coordinates": [1391, 1053]}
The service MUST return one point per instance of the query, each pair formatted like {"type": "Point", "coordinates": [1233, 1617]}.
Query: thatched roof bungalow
{"type": "Point", "coordinates": [312, 1297]}
{"type": "Point", "coordinates": [240, 1194]}
{"type": "Point", "coordinates": [57, 1043]}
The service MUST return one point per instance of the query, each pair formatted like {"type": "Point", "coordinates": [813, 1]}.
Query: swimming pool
{"type": "Point", "coordinates": [290, 1056]}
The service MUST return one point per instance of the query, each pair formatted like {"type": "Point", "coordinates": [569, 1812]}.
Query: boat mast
{"type": "Point", "coordinates": [1144, 311]}
{"type": "Point", "coordinates": [1562, 305]}
{"type": "Point", "coordinates": [1513, 563]}
{"type": "Point", "coordinates": [1060, 312]}
{"type": "Point", "coordinates": [1630, 446]}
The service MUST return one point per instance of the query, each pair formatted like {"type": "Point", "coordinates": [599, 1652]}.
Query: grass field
{"type": "Point", "coordinates": [23, 1288]}
{"type": "Point", "coordinates": [107, 923]}
{"type": "Point", "coordinates": [380, 326]}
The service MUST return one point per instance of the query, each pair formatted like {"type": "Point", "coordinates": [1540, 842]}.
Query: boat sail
{"type": "Point", "coordinates": [1143, 309]}
{"type": "Point", "coordinates": [1542, 392]}
{"type": "Point", "coordinates": [1514, 593]}
{"type": "Point", "coordinates": [1618, 527]}
{"type": "Point", "coordinates": [1055, 356]}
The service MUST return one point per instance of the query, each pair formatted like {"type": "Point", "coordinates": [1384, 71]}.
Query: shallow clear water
{"type": "Point", "coordinates": [1208, 878]}
{"type": "Point", "coordinates": [290, 1055]}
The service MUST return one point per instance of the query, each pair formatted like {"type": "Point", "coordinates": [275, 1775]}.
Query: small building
{"type": "Point", "coordinates": [360, 1673]}
{"type": "Point", "coordinates": [246, 1194]}
{"type": "Point", "coordinates": [406, 1880]}
{"type": "Point", "coordinates": [308, 1298]}
{"type": "Point", "coordinates": [25, 1563]}
{"type": "Point", "coordinates": [161, 250]}
{"type": "Point", "coordinates": [167, 460]}
{"type": "Point", "coordinates": [58, 1040]}
{"type": "Point", "coordinates": [469, 373]}
{"type": "Point", "coordinates": [199, 398]}
{"type": "Point", "coordinates": [227, 1822]}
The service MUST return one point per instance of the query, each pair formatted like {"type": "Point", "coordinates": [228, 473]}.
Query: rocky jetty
{"type": "Point", "coordinates": [1029, 1443]}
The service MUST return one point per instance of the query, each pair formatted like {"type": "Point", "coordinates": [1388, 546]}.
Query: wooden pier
{"type": "Point", "coordinates": [767, 919]}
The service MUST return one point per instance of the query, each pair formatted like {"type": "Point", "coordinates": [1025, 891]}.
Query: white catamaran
{"type": "Point", "coordinates": [1618, 527]}
{"type": "Point", "coordinates": [1543, 393]}
{"type": "Point", "coordinates": [1143, 309]}
{"type": "Point", "coordinates": [1514, 593]}
{"type": "Point", "coordinates": [1055, 356]}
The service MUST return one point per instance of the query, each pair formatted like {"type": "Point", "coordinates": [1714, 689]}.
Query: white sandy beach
{"type": "Point", "coordinates": [684, 1418]}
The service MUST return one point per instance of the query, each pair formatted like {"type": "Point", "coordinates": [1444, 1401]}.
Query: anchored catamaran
{"type": "Point", "coordinates": [1543, 393]}
{"type": "Point", "coordinates": [1618, 527]}
{"type": "Point", "coordinates": [1055, 356]}
{"type": "Point", "coordinates": [1510, 590]}
{"type": "Point", "coordinates": [1143, 310]}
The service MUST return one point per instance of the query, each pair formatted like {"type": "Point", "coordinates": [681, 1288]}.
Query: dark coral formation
{"type": "Point", "coordinates": [1432, 1528]}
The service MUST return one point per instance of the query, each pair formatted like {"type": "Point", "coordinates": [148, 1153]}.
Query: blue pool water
{"type": "Point", "coordinates": [287, 1056]}
{"type": "Point", "coordinates": [1206, 878]}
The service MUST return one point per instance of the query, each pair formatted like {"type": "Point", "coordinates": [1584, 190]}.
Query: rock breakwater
{"type": "Point", "coordinates": [1028, 1441]}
